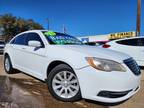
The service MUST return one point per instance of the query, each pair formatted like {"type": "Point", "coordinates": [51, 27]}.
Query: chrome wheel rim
{"type": "Point", "coordinates": [65, 84]}
{"type": "Point", "coordinates": [7, 64]}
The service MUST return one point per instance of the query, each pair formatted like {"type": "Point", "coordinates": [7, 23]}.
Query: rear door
{"type": "Point", "coordinates": [17, 48]}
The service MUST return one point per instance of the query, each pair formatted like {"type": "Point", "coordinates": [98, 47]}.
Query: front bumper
{"type": "Point", "coordinates": [93, 82]}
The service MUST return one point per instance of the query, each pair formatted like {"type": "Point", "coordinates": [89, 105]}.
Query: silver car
{"type": "Point", "coordinates": [2, 45]}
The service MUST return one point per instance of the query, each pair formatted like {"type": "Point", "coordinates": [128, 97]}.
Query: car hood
{"type": "Point", "coordinates": [94, 51]}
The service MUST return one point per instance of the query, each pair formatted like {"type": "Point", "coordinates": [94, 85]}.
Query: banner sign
{"type": "Point", "coordinates": [122, 35]}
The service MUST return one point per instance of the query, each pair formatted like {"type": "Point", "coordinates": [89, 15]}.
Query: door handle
{"type": "Point", "coordinates": [23, 48]}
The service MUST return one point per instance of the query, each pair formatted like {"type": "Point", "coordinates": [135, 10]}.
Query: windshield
{"type": "Point", "coordinates": [2, 43]}
{"type": "Point", "coordinates": [60, 38]}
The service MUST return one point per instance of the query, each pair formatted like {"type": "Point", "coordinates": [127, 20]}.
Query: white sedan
{"type": "Point", "coordinates": [131, 46]}
{"type": "Point", "coordinates": [73, 70]}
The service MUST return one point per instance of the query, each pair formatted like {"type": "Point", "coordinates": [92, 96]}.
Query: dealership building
{"type": "Point", "coordinates": [106, 37]}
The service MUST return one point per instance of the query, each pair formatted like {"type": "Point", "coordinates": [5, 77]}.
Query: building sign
{"type": "Point", "coordinates": [122, 35]}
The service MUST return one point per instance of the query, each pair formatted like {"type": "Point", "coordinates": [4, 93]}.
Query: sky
{"type": "Point", "coordinates": [80, 17]}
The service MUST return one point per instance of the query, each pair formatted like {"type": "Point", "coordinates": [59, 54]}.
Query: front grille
{"type": "Point", "coordinates": [133, 66]}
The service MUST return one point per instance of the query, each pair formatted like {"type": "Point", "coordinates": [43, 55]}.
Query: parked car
{"type": "Point", "coordinates": [72, 70]}
{"type": "Point", "coordinates": [2, 44]}
{"type": "Point", "coordinates": [99, 43]}
{"type": "Point", "coordinates": [132, 46]}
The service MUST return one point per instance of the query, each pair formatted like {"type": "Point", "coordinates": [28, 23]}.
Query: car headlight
{"type": "Point", "coordinates": [105, 65]}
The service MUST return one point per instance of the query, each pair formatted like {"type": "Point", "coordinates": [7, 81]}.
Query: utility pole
{"type": "Point", "coordinates": [64, 29]}
{"type": "Point", "coordinates": [138, 25]}
{"type": "Point", "coordinates": [48, 25]}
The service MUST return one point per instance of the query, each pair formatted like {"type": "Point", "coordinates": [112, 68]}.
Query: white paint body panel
{"type": "Point", "coordinates": [137, 52]}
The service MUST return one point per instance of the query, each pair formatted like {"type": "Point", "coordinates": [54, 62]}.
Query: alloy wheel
{"type": "Point", "coordinates": [65, 84]}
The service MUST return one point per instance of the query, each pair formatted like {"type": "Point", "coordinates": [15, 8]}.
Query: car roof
{"type": "Point", "coordinates": [34, 31]}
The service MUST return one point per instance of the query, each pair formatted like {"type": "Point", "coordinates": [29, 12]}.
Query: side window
{"type": "Point", "coordinates": [142, 41]}
{"type": "Point", "coordinates": [130, 42]}
{"type": "Point", "coordinates": [12, 42]}
{"type": "Point", "coordinates": [34, 37]}
{"type": "Point", "coordinates": [19, 40]}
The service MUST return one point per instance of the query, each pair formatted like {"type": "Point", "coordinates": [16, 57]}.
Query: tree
{"type": "Point", "coordinates": [13, 25]}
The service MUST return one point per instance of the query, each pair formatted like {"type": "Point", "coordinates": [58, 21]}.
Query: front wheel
{"type": "Point", "coordinates": [63, 84]}
{"type": "Point", "coordinates": [8, 65]}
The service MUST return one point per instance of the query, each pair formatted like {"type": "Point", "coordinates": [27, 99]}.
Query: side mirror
{"type": "Point", "coordinates": [34, 44]}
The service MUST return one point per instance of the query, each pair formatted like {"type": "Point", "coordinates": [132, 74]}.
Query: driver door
{"type": "Point", "coordinates": [35, 56]}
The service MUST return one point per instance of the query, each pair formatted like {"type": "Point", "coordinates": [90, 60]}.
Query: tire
{"type": "Point", "coordinates": [66, 88]}
{"type": "Point", "coordinates": [8, 65]}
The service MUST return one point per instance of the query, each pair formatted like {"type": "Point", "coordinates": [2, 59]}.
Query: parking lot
{"type": "Point", "coordinates": [22, 91]}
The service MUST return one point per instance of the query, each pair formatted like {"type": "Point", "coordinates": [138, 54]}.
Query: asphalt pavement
{"type": "Point", "coordinates": [22, 91]}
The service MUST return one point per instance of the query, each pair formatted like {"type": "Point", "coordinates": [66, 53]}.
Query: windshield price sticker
{"type": "Point", "coordinates": [50, 33]}
{"type": "Point", "coordinates": [62, 39]}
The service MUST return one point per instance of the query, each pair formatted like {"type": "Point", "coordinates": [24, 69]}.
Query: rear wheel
{"type": "Point", "coordinates": [63, 84]}
{"type": "Point", "coordinates": [8, 65]}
